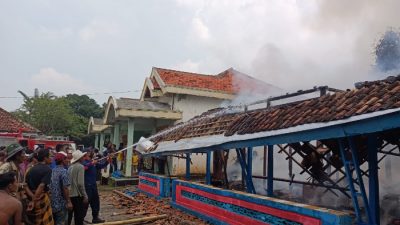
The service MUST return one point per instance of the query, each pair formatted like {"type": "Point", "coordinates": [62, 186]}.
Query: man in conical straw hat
{"type": "Point", "coordinates": [79, 199]}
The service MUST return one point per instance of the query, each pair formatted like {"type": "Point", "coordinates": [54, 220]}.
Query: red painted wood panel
{"type": "Point", "coordinates": [234, 218]}
{"type": "Point", "coordinates": [150, 189]}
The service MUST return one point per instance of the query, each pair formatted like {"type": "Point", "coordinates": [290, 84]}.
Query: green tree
{"type": "Point", "coordinates": [48, 113]}
{"type": "Point", "coordinates": [84, 106]}
{"type": "Point", "coordinates": [65, 116]}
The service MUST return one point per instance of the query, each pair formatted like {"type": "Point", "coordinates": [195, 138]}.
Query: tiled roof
{"type": "Point", "coordinates": [230, 81]}
{"type": "Point", "coordinates": [9, 123]}
{"type": "Point", "coordinates": [203, 125]}
{"type": "Point", "coordinates": [130, 103]}
{"type": "Point", "coordinates": [368, 97]}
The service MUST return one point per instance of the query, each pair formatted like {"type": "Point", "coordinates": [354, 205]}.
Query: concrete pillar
{"type": "Point", "coordinates": [115, 139]}
{"type": "Point", "coordinates": [130, 138]}
{"type": "Point", "coordinates": [101, 142]}
{"type": "Point", "coordinates": [96, 141]}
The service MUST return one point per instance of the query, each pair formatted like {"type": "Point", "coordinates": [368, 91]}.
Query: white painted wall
{"type": "Point", "coordinates": [198, 166]}
{"type": "Point", "coordinates": [164, 99]}
{"type": "Point", "coordinates": [191, 106]}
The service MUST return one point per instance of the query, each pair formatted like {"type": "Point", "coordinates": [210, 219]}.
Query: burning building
{"type": "Point", "coordinates": [337, 140]}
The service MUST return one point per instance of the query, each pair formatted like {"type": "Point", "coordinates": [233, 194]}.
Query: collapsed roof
{"type": "Point", "coordinates": [367, 100]}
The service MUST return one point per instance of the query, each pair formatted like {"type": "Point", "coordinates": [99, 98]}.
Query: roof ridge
{"type": "Point", "coordinates": [223, 82]}
{"type": "Point", "coordinates": [128, 98]}
{"type": "Point", "coordinates": [389, 79]}
{"type": "Point", "coordinates": [201, 74]}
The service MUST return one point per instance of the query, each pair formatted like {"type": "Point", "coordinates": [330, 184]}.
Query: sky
{"type": "Point", "coordinates": [103, 48]}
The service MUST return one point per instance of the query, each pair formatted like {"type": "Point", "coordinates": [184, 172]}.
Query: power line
{"type": "Point", "coordinates": [115, 92]}
{"type": "Point", "coordinates": [9, 97]}
{"type": "Point", "coordinates": [95, 93]}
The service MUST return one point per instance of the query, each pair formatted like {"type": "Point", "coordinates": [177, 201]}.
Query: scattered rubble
{"type": "Point", "coordinates": [136, 204]}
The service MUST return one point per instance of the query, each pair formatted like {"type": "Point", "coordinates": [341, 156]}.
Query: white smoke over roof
{"type": "Point", "coordinates": [296, 44]}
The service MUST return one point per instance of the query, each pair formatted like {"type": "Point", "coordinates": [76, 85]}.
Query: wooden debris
{"type": "Point", "coordinates": [125, 195]}
{"type": "Point", "coordinates": [141, 205]}
{"type": "Point", "coordinates": [136, 220]}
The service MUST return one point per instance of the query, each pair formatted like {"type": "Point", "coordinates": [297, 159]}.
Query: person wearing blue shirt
{"type": "Point", "coordinates": [91, 166]}
{"type": "Point", "coordinates": [60, 201]}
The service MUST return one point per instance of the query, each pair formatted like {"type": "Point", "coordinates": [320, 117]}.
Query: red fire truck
{"type": "Point", "coordinates": [34, 140]}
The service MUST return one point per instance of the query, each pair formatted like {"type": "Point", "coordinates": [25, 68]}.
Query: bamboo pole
{"type": "Point", "coordinates": [136, 220]}
{"type": "Point", "coordinates": [125, 196]}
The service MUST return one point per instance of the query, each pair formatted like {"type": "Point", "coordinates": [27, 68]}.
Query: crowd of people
{"type": "Point", "coordinates": [49, 186]}
{"type": "Point", "coordinates": [119, 158]}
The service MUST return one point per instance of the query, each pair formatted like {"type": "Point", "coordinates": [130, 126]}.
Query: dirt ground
{"type": "Point", "coordinates": [115, 208]}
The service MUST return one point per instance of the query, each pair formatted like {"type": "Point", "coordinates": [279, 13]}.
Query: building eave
{"type": "Point", "coordinates": [356, 125]}
{"type": "Point", "coordinates": [97, 129]}
{"type": "Point", "coordinates": [198, 92]}
{"type": "Point", "coordinates": [94, 128]}
{"type": "Point", "coordinates": [112, 102]}
{"type": "Point", "coordinates": [158, 114]}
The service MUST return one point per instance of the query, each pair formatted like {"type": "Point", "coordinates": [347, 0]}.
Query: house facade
{"type": "Point", "coordinates": [169, 97]}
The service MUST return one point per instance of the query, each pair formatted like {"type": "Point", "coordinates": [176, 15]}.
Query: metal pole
{"type": "Point", "coordinates": [356, 165]}
{"type": "Point", "coordinates": [350, 180]}
{"type": "Point", "coordinates": [373, 179]}
{"type": "Point", "coordinates": [249, 162]}
{"type": "Point", "coordinates": [208, 168]}
{"type": "Point", "coordinates": [270, 182]}
{"type": "Point", "coordinates": [265, 166]}
{"type": "Point", "coordinates": [239, 155]}
{"type": "Point", "coordinates": [250, 170]}
{"type": "Point", "coordinates": [187, 166]}
{"type": "Point", "coordinates": [290, 168]}
{"type": "Point", "coordinates": [242, 161]}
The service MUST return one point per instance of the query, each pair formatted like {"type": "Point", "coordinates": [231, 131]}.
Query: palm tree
{"type": "Point", "coordinates": [29, 101]}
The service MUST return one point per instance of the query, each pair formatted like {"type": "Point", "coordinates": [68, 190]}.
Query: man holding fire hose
{"type": "Point", "coordinates": [91, 166]}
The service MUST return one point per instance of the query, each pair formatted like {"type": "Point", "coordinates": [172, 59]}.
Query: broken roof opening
{"type": "Point", "coordinates": [300, 95]}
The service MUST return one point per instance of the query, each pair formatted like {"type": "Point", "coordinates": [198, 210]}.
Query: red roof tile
{"type": "Point", "coordinates": [9, 123]}
{"type": "Point", "coordinates": [368, 97]}
{"type": "Point", "coordinates": [230, 81]}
